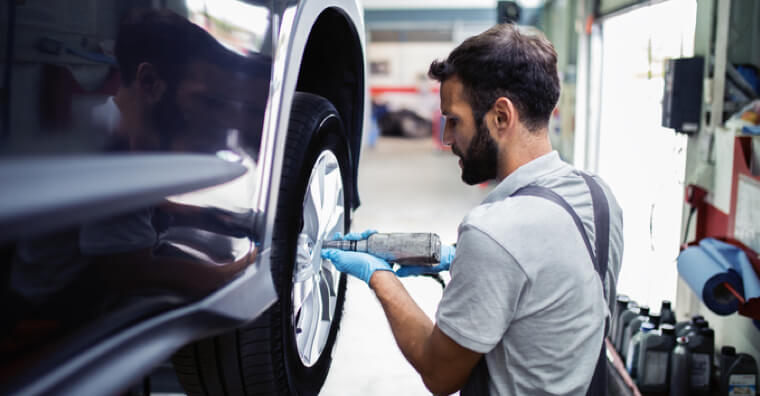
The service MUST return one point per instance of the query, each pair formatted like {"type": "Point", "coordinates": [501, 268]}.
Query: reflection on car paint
{"type": "Point", "coordinates": [190, 79]}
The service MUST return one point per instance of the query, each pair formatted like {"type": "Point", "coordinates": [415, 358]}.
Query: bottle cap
{"type": "Point", "coordinates": [728, 350]}
{"type": "Point", "coordinates": [654, 318]}
{"type": "Point", "coordinates": [696, 318]}
{"type": "Point", "coordinates": [703, 324]}
{"type": "Point", "coordinates": [665, 305]}
{"type": "Point", "coordinates": [632, 305]}
{"type": "Point", "coordinates": [682, 340]}
{"type": "Point", "coordinates": [644, 310]}
{"type": "Point", "coordinates": [646, 327]}
{"type": "Point", "coordinates": [623, 299]}
{"type": "Point", "coordinates": [668, 329]}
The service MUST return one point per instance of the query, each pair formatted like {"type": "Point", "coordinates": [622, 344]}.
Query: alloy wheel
{"type": "Point", "coordinates": [315, 281]}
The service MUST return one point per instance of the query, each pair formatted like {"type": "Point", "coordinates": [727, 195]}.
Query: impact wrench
{"type": "Point", "coordinates": [421, 249]}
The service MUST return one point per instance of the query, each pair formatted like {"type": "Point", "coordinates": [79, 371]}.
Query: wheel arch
{"type": "Point", "coordinates": [333, 66]}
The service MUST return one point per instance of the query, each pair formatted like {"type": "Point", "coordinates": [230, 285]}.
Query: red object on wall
{"type": "Point", "coordinates": [714, 223]}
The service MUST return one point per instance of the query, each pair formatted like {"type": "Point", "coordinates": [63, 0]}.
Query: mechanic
{"type": "Point", "coordinates": [527, 292]}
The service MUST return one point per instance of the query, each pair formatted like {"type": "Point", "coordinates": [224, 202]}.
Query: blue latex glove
{"type": "Point", "coordinates": [447, 256]}
{"type": "Point", "coordinates": [358, 264]}
{"type": "Point", "coordinates": [354, 236]}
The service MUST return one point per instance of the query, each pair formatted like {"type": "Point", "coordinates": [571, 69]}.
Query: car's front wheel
{"type": "Point", "coordinates": [287, 350]}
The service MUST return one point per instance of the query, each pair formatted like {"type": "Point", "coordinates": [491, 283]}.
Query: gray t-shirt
{"type": "Point", "coordinates": [523, 289]}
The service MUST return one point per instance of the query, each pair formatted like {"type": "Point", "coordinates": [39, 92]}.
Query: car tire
{"type": "Point", "coordinates": [269, 355]}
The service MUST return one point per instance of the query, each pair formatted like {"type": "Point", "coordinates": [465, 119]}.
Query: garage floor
{"type": "Point", "coordinates": [406, 186]}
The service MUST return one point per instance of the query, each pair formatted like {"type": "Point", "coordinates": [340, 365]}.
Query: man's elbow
{"type": "Point", "coordinates": [442, 386]}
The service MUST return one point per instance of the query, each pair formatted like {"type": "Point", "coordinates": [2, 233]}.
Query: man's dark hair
{"type": "Point", "coordinates": [502, 61]}
{"type": "Point", "coordinates": [162, 38]}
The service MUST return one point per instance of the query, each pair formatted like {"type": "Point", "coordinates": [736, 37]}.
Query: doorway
{"type": "Point", "coordinates": [643, 162]}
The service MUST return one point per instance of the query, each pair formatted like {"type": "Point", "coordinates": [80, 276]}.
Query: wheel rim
{"type": "Point", "coordinates": [315, 281]}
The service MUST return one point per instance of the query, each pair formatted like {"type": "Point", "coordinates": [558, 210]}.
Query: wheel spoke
{"type": "Point", "coordinates": [316, 308]}
{"type": "Point", "coordinates": [311, 212]}
{"type": "Point", "coordinates": [298, 298]}
{"type": "Point", "coordinates": [332, 214]}
{"type": "Point", "coordinates": [306, 326]}
{"type": "Point", "coordinates": [327, 275]}
{"type": "Point", "coordinates": [321, 179]}
{"type": "Point", "coordinates": [324, 292]}
{"type": "Point", "coordinates": [323, 334]}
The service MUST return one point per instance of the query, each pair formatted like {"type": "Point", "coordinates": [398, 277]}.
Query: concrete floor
{"type": "Point", "coordinates": [405, 186]}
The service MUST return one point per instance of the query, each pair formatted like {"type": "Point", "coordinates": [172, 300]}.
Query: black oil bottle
{"type": "Point", "coordinates": [631, 312]}
{"type": "Point", "coordinates": [655, 349]}
{"type": "Point", "coordinates": [738, 373]}
{"type": "Point", "coordinates": [621, 303]}
{"type": "Point", "coordinates": [654, 318]}
{"type": "Point", "coordinates": [666, 313]}
{"type": "Point", "coordinates": [682, 326]}
{"type": "Point", "coordinates": [679, 368]}
{"type": "Point", "coordinates": [701, 350]}
{"type": "Point", "coordinates": [632, 356]}
{"type": "Point", "coordinates": [633, 327]}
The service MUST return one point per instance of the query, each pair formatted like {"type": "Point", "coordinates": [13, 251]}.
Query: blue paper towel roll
{"type": "Point", "coordinates": [705, 270]}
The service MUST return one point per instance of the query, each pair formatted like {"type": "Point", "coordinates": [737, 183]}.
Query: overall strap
{"type": "Point", "coordinates": [601, 223]}
{"type": "Point", "coordinates": [598, 385]}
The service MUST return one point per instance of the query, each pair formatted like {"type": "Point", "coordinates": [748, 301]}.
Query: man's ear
{"type": "Point", "coordinates": [150, 85]}
{"type": "Point", "coordinates": [504, 115]}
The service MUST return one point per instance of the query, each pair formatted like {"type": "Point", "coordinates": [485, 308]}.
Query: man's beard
{"type": "Point", "coordinates": [481, 162]}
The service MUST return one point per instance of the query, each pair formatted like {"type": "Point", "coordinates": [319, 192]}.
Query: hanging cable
{"type": "Point", "coordinates": [688, 224]}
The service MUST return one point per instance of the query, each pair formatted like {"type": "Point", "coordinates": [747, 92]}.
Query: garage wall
{"type": "Point", "coordinates": [404, 40]}
{"type": "Point", "coordinates": [558, 22]}
{"type": "Point", "coordinates": [406, 63]}
{"type": "Point", "coordinates": [701, 163]}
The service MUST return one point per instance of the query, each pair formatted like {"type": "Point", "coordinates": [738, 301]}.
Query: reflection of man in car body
{"type": "Point", "coordinates": [525, 311]}
{"type": "Point", "coordinates": [181, 91]}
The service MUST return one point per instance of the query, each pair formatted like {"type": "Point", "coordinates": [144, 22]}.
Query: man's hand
{"type": "Point", "coordinates": [355, 236]}
{"type": "Point", "coordinates": [360, 265]}
{"type": "Point", "coordinates": [447, 256]}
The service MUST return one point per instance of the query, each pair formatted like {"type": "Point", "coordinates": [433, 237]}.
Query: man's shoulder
{"type": "Point", "coordinates": [522, 213]}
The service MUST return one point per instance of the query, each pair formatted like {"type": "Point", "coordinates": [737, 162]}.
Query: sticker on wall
{"type": "Point", "coordinates": [747, 226]}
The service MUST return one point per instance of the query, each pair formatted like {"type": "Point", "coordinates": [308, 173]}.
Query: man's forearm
{"type": "Point", "coordinates": [411, 327]}
{"type": "Point", "coordinates": [443, 364]}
